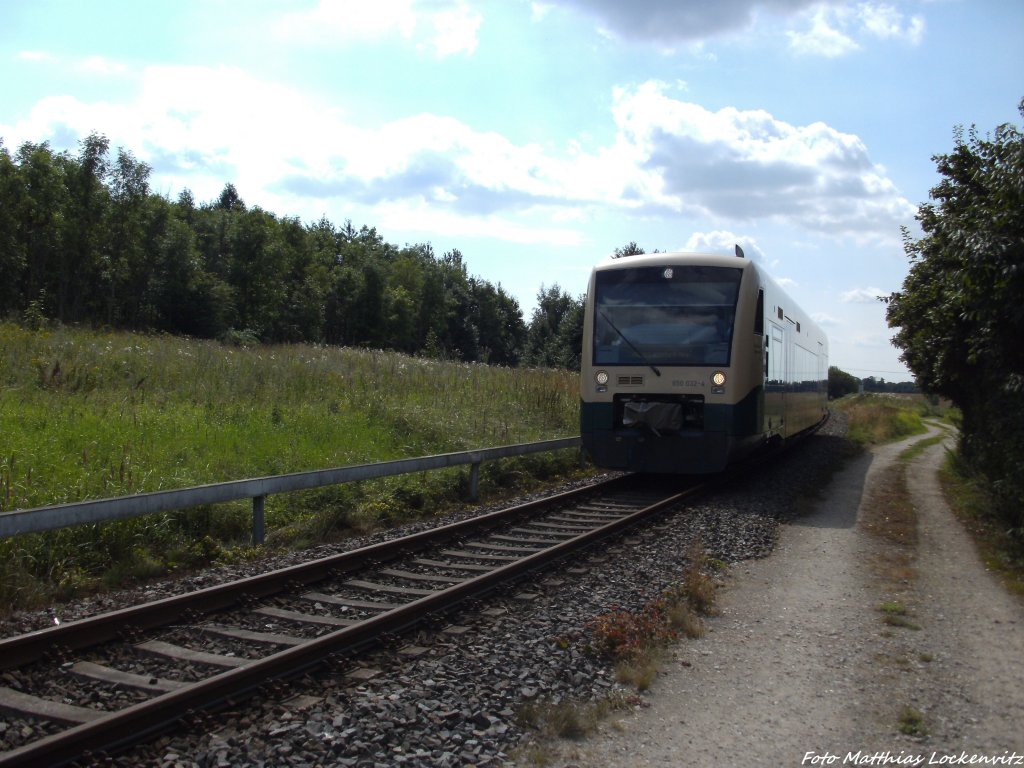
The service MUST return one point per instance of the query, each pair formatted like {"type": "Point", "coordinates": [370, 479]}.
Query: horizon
{"type": "Point", "coordinates": [536, 138]}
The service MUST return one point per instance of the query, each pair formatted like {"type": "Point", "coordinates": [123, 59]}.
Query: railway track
{"type": "Point", "coordinates": [142, 669]}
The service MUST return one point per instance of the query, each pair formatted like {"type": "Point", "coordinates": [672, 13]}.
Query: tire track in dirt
{"type": "Point", "coordinates": [799, 669]}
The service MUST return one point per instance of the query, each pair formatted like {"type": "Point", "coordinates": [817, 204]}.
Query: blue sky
{"type": "Point", "coordinates": [538, 137]}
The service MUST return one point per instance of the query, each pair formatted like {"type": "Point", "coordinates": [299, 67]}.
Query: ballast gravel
{"type": "Point", "coordinates": [450, 694]}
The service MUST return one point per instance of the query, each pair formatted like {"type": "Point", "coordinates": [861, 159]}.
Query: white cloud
{"type": "Point", "coordinates": [823, 38]}
{"type": "Point", "coordinates": [100, 65]}
{"type": "Point", "coordinates": [828, 28]}
{"type": "Point", "coordinates": [832, 30]}
{"type": "Point", "coordinates": [201, 127]}
{"type": "Point", "coordinates": [826, 320]}
{"type": "Point", "coordinates": [418, 216]}
{"type": "Point", "coordinates": [539, 10]}
{"type": "Point", "coordinates": [885, 22]}
{"type": "Point", "coordinates": [669, 22]}
{"type": "Point", "coordinates": [445, 27]}
{"type": "Point", "coordinates": [862, 295]}
{"type": "Point", "coordinates": [723, 241]}
{"type": "Point", "coordinates": [455, 30]}
{"type": "Point", "coordinates": [35, 56]}
{"type": "Point", "coordinates": [748, 165]}
{"type": "Point", "coordinates": [341, 20]}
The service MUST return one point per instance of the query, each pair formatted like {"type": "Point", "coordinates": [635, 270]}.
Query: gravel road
{"type": "Point", "coordinates": [800, 669]}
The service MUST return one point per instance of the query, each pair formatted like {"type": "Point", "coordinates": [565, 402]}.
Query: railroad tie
{"type": "Point", "coordinates": [34, 706]}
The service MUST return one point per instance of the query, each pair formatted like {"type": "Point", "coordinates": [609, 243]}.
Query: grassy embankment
{"type": "Point", "coordinates": [95, 415]}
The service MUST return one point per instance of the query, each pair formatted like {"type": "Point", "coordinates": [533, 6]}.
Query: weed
{"type": "Point", "coordinates": [682, 618]}
{"type": "Point", "coordinates": [632, 638]}
{"type": "Point", "coordinates": [970, 497]}
{"type": "Point", "coordinates": [138, 567]}
{"type": "Point", "coordinates": [566, 719]}
{"type": "Point", "coordinates": [698, 588]}
{"type": "Point", "coordinates": [893, 608]}
{"type": "Point", "coordinates": [900, 621]}
{"type": "Point", "coordinates": [532, 754]}
{"type": "Point", "coordinates": [569, 719]}
{"type": "Point", "coordinates": [911, 722]}
{"type": "Point", "coordinates": [627, 635]}
{"type": "Point", "coordinates": [638, 672]}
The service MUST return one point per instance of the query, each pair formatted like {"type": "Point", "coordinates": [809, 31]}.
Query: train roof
{"type": "Point", "coordinates": [673, 258]}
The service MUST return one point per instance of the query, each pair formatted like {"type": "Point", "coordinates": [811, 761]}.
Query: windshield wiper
{"type": "Point", "coordinates": [632, 346]}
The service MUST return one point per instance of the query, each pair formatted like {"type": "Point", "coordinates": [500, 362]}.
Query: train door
{"type": "Point", "coordinates": [822, 373]}
{"type": "Point", "coordinates": [775, 384]}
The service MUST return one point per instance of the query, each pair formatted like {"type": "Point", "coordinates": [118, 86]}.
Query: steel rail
{"type": "Point", "coordinates": [24, 649]}
{"type": "Point", "coordinates": [130, 725]}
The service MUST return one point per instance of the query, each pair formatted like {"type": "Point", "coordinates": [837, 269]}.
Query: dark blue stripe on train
{"type": "Point", "coordinates": [729, 431]}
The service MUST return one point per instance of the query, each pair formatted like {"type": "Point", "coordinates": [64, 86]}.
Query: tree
{"type": "Point", "coordinates": [86, 223]}
{"type": "Point", "coordinates": [556, 329]}
{"type": "Point", "coordinates": [841, 383]}
{"type": "Point", "coordinates": [40, 200]}
{"type": "Point", "coordinates": [12, 249]}
{"type": "Point", "coordinates": [127, 269]}
{"type": "Point", "coordinates": [230, 200]}
{"type": "Point", "coordinates": [629, 249]}
{"type": "Point", "coordinates": [960, 317]}
{"type": "Point", "coordinates": [500, 322]}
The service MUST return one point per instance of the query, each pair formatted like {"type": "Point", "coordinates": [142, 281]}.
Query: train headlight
{"type": "Point", "coordinates": [601, 377]}
{"type": "Point", "coordinates": [718, 378]}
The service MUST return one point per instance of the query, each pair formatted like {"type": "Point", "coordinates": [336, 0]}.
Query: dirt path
{"type": "Point", "coordinates": [800, 669]}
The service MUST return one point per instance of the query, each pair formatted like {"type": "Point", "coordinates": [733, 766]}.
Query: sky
{"type": "Point", "coordinates": [538, 137]}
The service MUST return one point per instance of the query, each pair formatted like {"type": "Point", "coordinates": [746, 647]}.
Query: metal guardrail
{"type": "Point", "coordinates": [102, 510]}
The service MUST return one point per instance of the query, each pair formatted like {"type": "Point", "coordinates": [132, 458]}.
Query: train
{"type": "Point", "coordinates": [692, 361]}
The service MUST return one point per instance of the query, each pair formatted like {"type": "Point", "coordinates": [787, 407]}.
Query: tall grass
{"type": "Point", "coordinates": [882, 418]}
{"type": "Point", "coordinates": [97, 414]}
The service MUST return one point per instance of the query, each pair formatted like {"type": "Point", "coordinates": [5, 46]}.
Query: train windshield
{"type": "Point", "coordinates": [670, 315]}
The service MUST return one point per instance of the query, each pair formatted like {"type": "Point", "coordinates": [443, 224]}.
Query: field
{"type": "Point", "coordinates": [93, 415]}
{"type": "Point", "coordinates": [882, 418]}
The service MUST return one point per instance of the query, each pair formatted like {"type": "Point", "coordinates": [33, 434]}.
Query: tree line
{"type": "Point", "coordinates": [84, 240]}
{"type": "Point", "coordinates": [841, 383]}
{"type": "Point", "coordinates": [960, 313]}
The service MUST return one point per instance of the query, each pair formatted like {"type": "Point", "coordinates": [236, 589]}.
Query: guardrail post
{"type": "Point", "coordinates": [259, 523]}
{"type": "Point", "coordinates": [474, 481]}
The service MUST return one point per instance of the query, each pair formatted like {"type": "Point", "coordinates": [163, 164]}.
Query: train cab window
{"type": "Point", "coordinates": [759, 315]}
{"type": "Point", "coordinates": [671, 315]}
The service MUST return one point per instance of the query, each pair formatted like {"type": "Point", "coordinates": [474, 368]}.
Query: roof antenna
{"type": "Point", "coordinates": [739, 251]}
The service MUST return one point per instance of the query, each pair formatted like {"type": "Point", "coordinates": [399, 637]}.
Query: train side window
{"type": "Point", "coordinates": [759, 316]}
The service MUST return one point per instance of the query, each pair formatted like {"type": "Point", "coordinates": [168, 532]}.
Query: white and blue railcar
{"type": "Point", "coordinates": [691, 361]}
